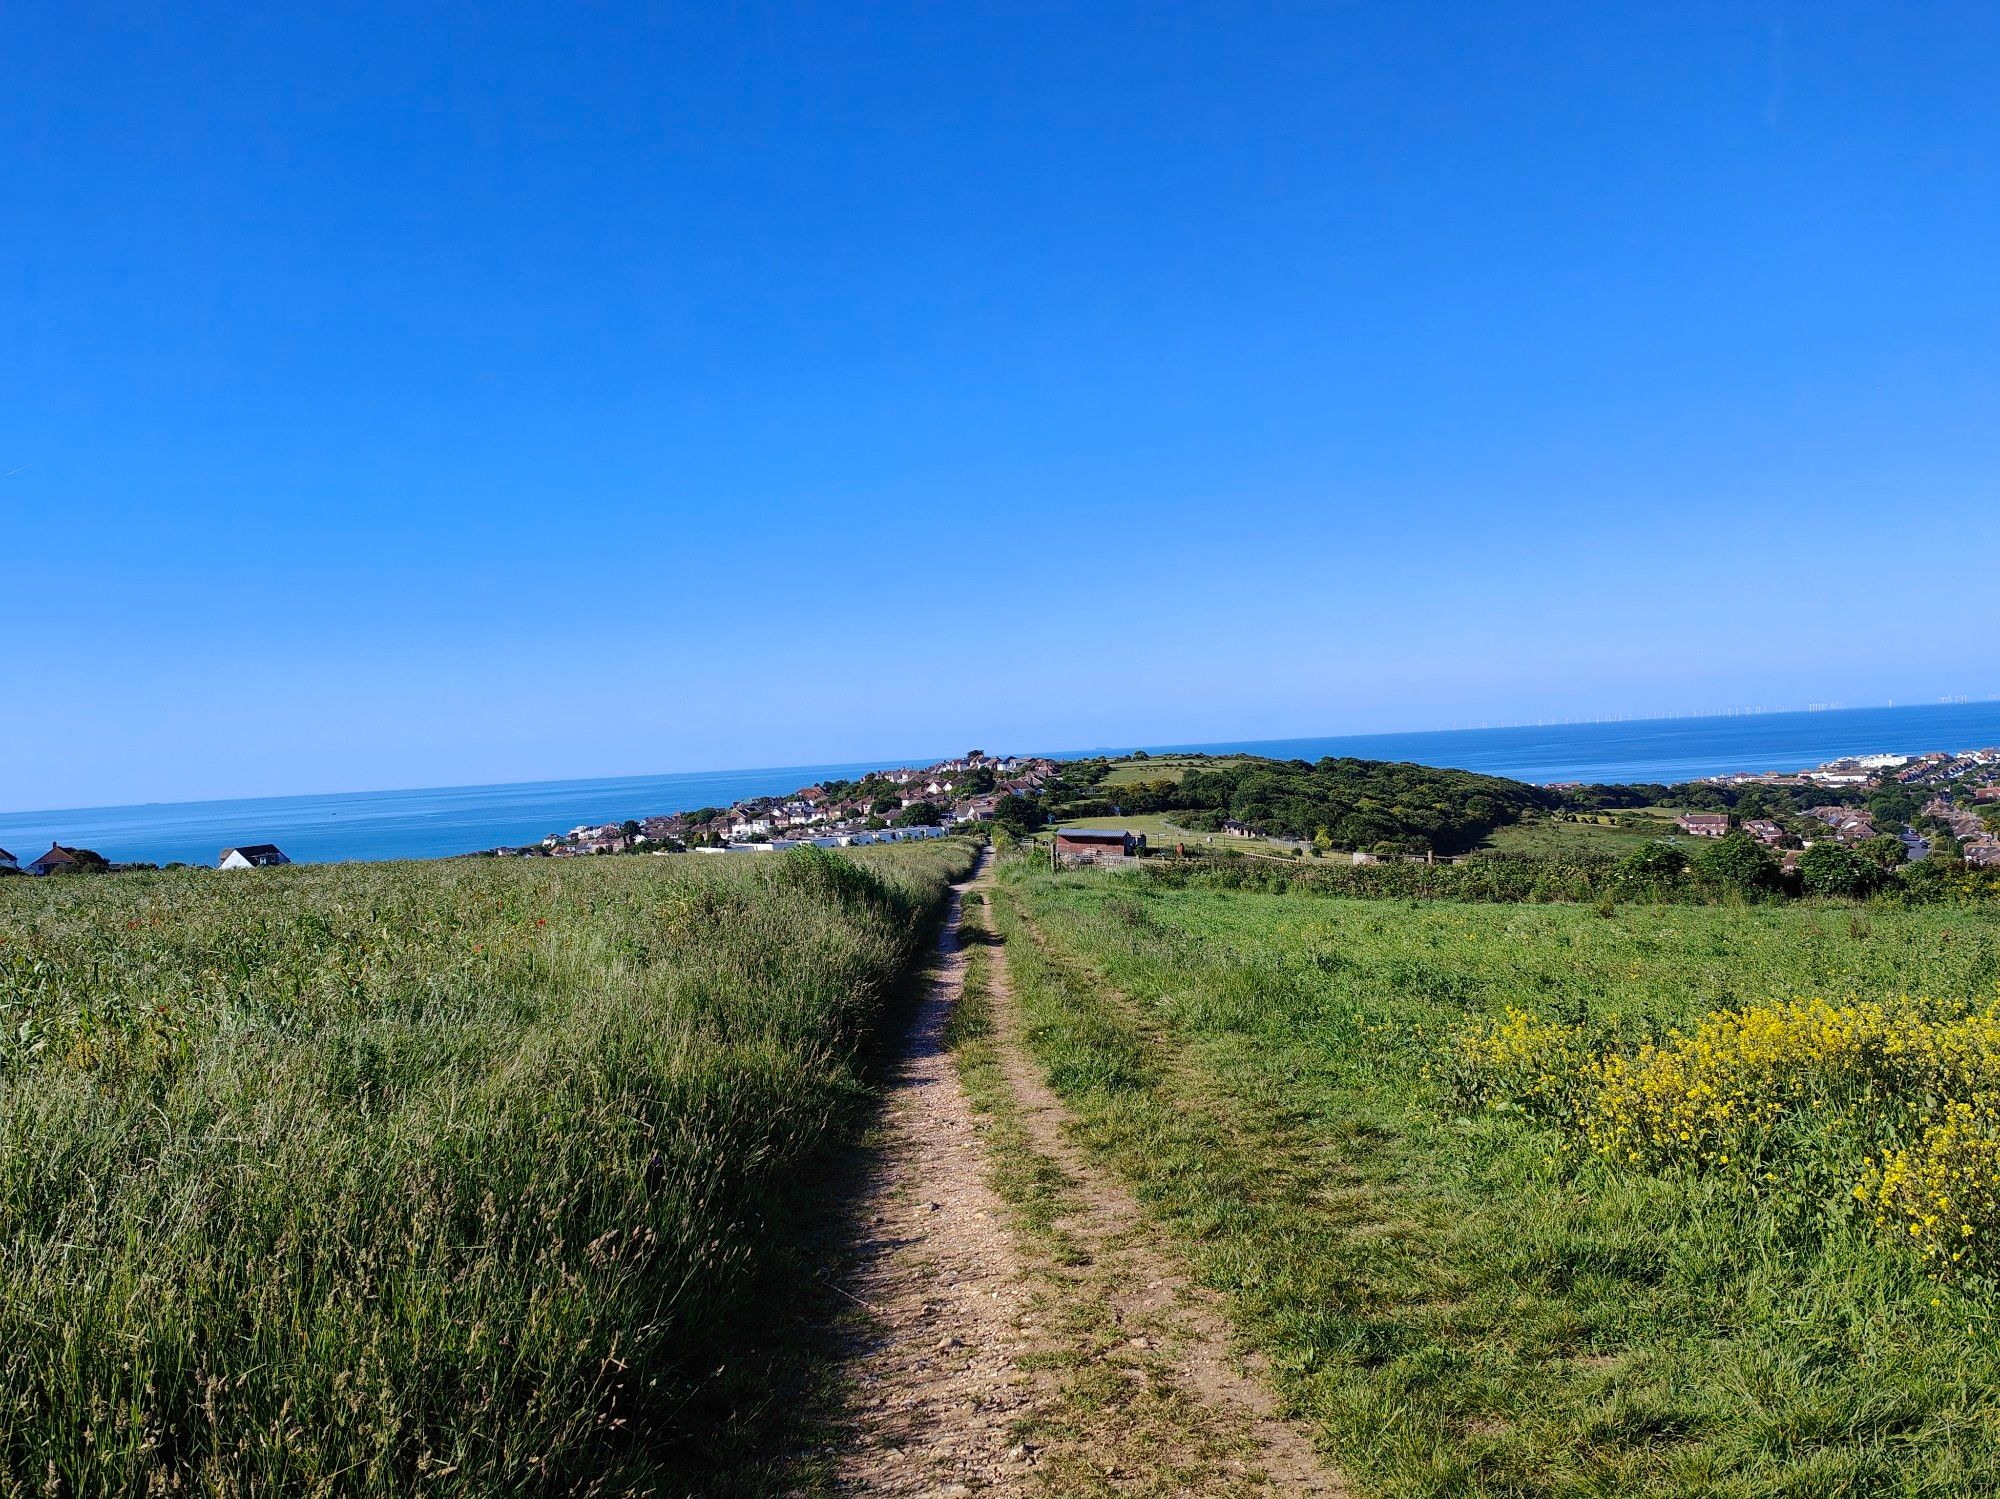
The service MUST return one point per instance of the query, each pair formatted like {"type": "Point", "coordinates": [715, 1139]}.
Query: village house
{"type": "Point", "coordinates": [1765, 832]}
{"type": "Point", "coordinates": [252, 856]}
{"type": "Point", "coordinates": [1703, 824]}
{"type": "Point", "coordinates": [57, 858]}
{"type": "Point", "coordinates": [1849, 824]}
{"type": "Point", "coordinates": [8, 861]}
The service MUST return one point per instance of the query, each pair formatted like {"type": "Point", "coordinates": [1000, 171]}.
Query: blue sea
{"type": "Point", "coordinates": [460, 819]}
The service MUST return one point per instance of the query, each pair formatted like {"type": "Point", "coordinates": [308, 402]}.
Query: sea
{"type": "Point", "coordinates": [440, 821]}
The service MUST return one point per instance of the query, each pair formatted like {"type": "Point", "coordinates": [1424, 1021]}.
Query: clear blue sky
{"type": "Point", "coordinates": [400, 396]}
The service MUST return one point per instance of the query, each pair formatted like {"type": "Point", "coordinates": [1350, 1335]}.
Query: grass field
{"type": "Point", "coordinates": [462, 1178]}
{"type": "Point", "coordinates": [1615, 834]}
{"type": "Point", "coordinates": [1466, 1297]}
{"type": "Point", "coordinates": [1164, 768]}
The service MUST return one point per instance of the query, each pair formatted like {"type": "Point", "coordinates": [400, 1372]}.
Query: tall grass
{"type": "Point", "coordinates": [462, 1177]}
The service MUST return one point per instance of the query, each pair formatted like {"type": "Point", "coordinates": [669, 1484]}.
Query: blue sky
{"type": "Point", "coordinates": [409, 396]}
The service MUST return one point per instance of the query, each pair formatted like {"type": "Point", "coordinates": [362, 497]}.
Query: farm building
{"type": "Point", "coordinates": [1099, 843]}
{"type": "Point", "coordinates": [252, 856]}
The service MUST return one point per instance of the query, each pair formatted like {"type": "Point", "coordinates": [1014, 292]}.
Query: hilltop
{"type": "Point", "coordinates": [1371, 806]}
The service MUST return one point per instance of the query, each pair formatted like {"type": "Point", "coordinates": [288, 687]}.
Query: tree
{"type": "Point", "coordinates": [1739, 864]}
{"type": "Point", "coordinates": [1836, 872]}
{"type": "Point", "coordinates": [920, 814]}
{"type": "Point", "coordinates": [1884, 850]}
{"type": "Point", "coordinates": [88, 861]}
{"type": "Point", "coordinates": [629, 827]}
{"type": "Point", "coordinates": [1019, 815]}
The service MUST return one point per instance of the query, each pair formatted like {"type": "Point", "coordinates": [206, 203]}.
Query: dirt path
{"type": "Point", "coordinates": [1085, 1337]}
{"type": "Point", "coordinates": [939, 1381]}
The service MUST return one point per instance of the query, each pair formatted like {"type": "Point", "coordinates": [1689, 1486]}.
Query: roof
{"type": "Point", "coordinates": [1108, 835]}
{"type": "Point", "coordinates": [7, 856]}
{"type": "Point", "coordinates": [255, 850]}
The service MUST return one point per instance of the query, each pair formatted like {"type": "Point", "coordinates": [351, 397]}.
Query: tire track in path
{"type": "Point", "coordinates": [937, 1382]}
{"type": "Point", "coordinates": [1121, 1369]}
{"type": "Point", "coordinates": [1144, 1287]}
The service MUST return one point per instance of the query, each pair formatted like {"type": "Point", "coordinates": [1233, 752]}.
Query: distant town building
{"type": "Point", "coordinates": [252, 856]}
{"type": "Point", "coordinates": [8, 861]}
{"type": "Point", "coordinates": [1704, 824]}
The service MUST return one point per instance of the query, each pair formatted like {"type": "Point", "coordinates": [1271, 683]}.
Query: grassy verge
{"type": "Point", "coordinates": [1464, 1305]}
{"type": "Point", "coordinates": [465, 1177]}
{"type": "Point", "coordinates": [1115, 1419]}
{"type": "Point", "coordinates": [1031, 1184]}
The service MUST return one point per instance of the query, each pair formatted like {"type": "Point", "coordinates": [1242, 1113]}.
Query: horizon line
{"type": "Point", "coordinates": [1066, 754]}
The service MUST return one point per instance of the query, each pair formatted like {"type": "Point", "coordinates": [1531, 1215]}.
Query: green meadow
{"type": "Point", "coordinates": [1460, 1294]}
{"type": "Point", "coordinates": [468, 1177]}
{"type": "Point", "coordinates": [1609, 834]}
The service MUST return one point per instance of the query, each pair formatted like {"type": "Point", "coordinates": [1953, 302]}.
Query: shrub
{"type": "Point", "coordinates": [1834, 871]}
{"type": "Point", "coordinates": [1655, 866]}
{"type": "Point", "coordinates": [1737, 864]}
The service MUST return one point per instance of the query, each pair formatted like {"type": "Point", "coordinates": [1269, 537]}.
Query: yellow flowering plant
{"type": "Point", "coordinates": [1895, 1106]}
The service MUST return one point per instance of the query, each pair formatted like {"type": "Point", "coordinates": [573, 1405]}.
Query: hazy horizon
{"type": "Point", "coordinates": [1163, 745]}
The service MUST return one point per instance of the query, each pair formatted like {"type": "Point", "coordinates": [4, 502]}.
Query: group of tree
{"type": "Point", "coordinates": [1380, 805]}
{"type": "Point", "coordinates": [1738, 866]}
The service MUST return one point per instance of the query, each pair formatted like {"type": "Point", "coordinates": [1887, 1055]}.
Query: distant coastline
{"type": "Point", "coordinates": [1656, 749]}
{"type": "Point", "coordinates": [438, 822]}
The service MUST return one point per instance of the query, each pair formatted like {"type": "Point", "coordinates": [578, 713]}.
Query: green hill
{"type": "Point", "coordinates": [1379, 805]}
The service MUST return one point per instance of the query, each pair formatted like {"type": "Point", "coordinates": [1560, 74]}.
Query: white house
{"type": "Point", "coordinates": [750, 827]}
{"type": "Point", "coordinates": [252, 856]}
